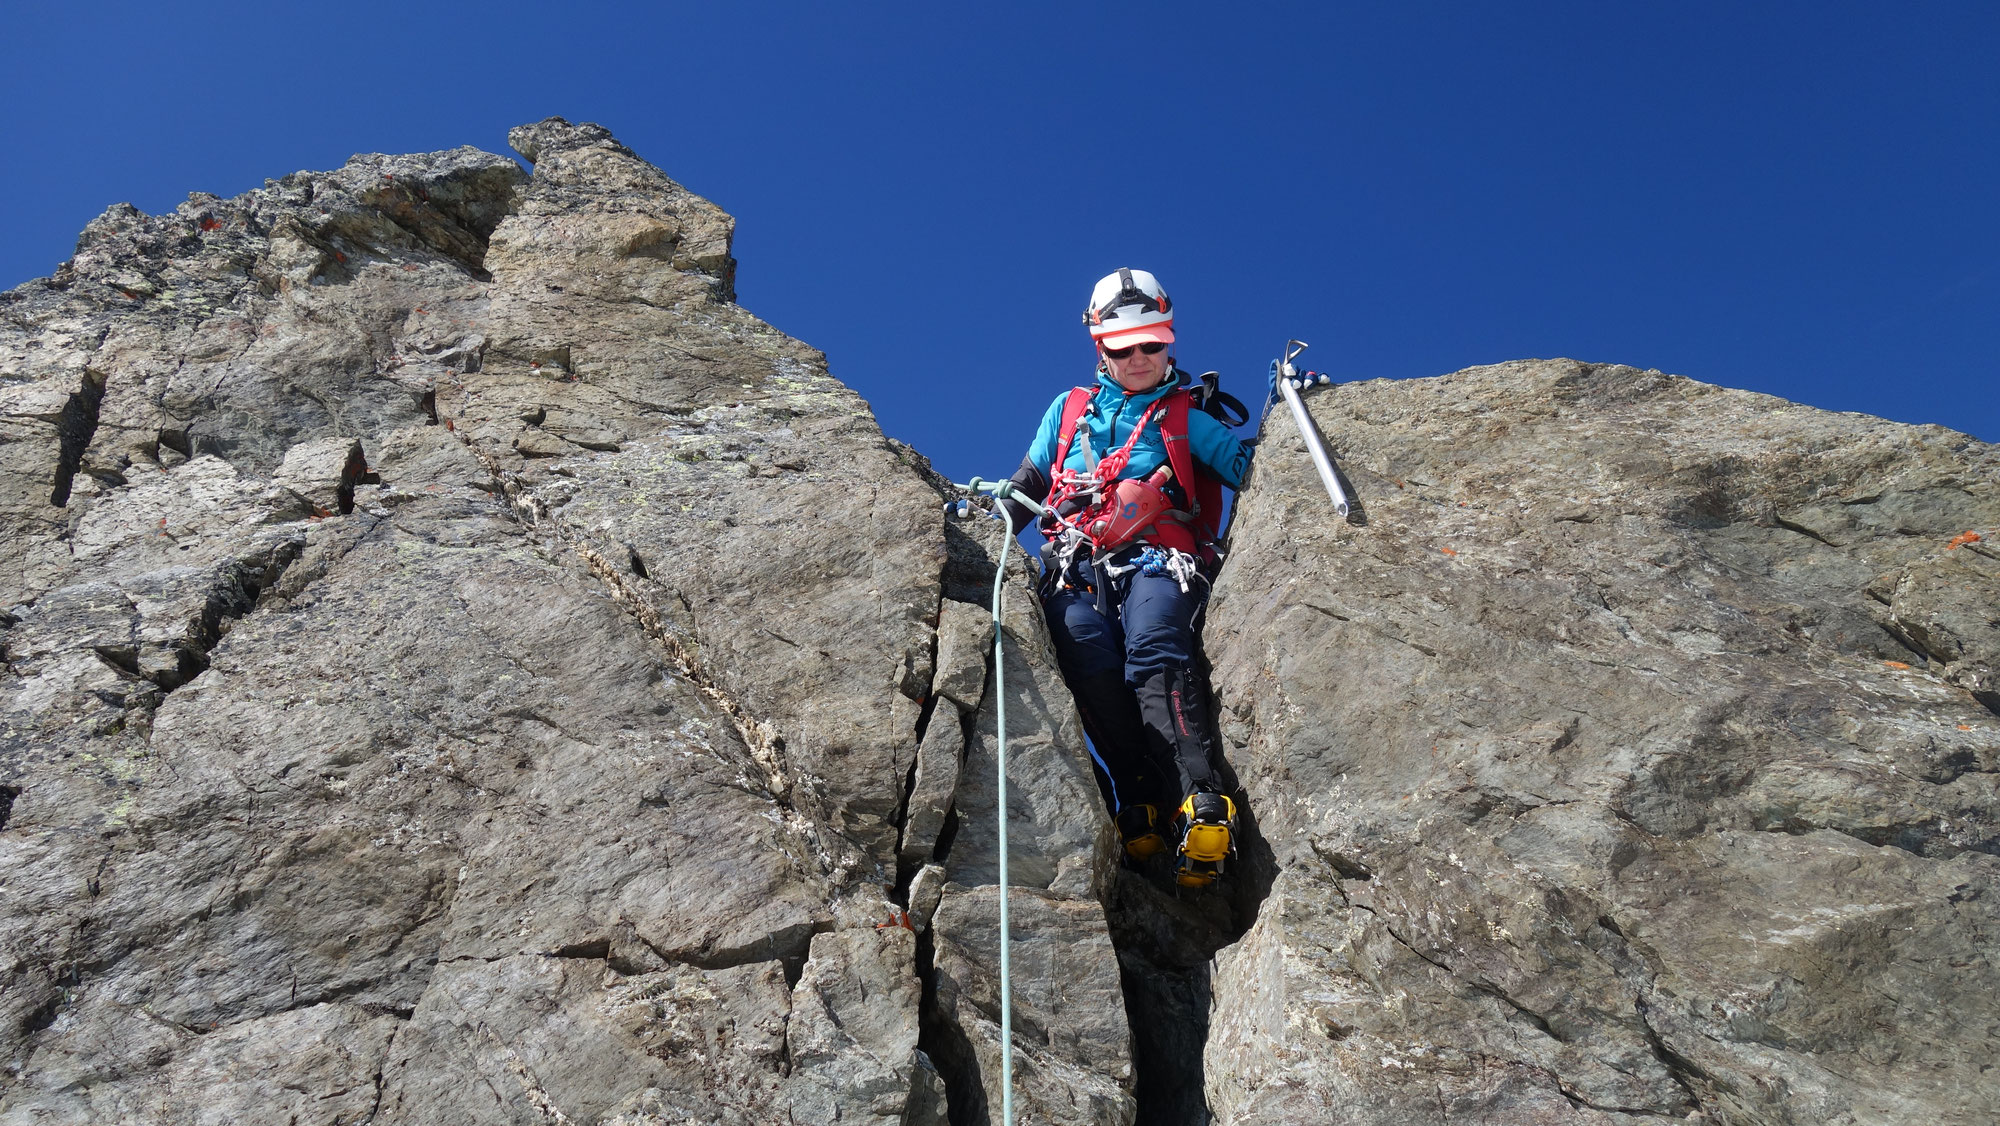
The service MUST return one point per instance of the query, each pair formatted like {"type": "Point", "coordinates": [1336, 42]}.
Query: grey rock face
{"type": "Point", "coordinates": [965, 645]}
{"type": "Point", "coordinates": [1058, 837]}
{"type": "Point", "coordinates": [1072, 1059]}
{"type": "Point", "coordinates": [933, 782]}
{"type": "Point", "coordinates": [515, 1039]}
{"type": "Point", "coordinates": [852, 1037]}
{"type": "Point", "coordinates": [431, 693]}
{"type": "Point", "coordinates": [1072, 1048]}
{"type": "Point", "coordinates": [1635, 758]}
{"type": "Point", "coordinates": [313, 1064]}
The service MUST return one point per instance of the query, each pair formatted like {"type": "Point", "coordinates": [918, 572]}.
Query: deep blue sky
{"type": "Point", "coordinates": [1795, 198]}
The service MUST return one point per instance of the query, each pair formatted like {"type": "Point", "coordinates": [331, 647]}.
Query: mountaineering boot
{"type": "Point", "coordinates": [1208, 837]}
{"type": "Point", "coordinates": [1139, 828]}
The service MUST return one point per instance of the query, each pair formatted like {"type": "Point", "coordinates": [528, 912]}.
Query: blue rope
{"type": "Point", "coordinates": [1000, 714]}
{"type": "Point", "coordinates": [1003, 490]}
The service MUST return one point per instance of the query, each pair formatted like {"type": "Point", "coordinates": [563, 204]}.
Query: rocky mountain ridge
{"type": "Point", "coordinates": [436, 691]}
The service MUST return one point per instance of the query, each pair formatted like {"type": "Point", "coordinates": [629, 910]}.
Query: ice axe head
{"type": "Point", "coordinates": [1292, 350]}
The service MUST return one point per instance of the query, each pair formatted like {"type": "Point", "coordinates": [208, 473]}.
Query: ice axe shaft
{"type": "Point", "coordinates": [1306, 429]}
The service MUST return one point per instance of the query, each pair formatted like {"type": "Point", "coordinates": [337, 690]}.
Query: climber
{"type": "Point", "coordinates": [1131, 469]}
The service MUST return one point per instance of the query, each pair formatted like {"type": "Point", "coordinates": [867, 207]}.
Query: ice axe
{"type": "Point", "coordinates": [1288, 380]}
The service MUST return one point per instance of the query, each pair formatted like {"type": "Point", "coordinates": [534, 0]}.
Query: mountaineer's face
{"type": "Point", "coordinates": [1137, 370]}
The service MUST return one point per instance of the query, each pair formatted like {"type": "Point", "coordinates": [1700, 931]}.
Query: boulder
{"type": "Point", "coordinates": [1626, 758]}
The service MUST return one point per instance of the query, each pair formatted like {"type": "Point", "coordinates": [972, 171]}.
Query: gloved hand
{"type": "Point", "coordinates": [1298, 373]}
{"type": "Point", "coordinates": [1272, 397]}
{"type": "Point", "coordinates": [1030, 482]}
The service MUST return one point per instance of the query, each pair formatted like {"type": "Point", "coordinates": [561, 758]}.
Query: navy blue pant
{"type": "Point", "coordinates": [1132, 671]}
{"type": "Point", "coordinates": [1150, 628]}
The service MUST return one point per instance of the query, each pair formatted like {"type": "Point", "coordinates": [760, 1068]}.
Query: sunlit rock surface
{"type": "Point", "coordinates": [1635, 758]}
{"type": "Point", "coordinates": [459, 667]}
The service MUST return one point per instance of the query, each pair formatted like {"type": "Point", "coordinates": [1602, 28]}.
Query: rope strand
{"type": "Point", "coordinates": [1000, 713]}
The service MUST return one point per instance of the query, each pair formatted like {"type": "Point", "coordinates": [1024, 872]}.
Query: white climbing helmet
{"type": "Point", "coordinates": [1129, 307]}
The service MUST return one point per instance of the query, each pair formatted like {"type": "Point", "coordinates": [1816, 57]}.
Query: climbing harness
{"type": "Point", "coordinates": [1161, 562]}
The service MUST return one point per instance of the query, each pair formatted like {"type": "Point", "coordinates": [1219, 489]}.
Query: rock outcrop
{"type": "Point", "coordinates": [460, 667]}
{"type": "Point", "coordinates": [1635, 759]}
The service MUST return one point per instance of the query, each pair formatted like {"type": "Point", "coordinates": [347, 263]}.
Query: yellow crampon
{"type": "Point", "coordinates": [1138, 825]}
{"type": "Point", "coordinates": [1208, 837]}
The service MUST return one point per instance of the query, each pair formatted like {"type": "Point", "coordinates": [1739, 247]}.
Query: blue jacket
{"type": "Point", "coordinates": [1112, 413]}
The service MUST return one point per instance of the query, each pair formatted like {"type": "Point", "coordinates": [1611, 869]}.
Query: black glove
{"type": "Point", "coordinates": [1029, 482]}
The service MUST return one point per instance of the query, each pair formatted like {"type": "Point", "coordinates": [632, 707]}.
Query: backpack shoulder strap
{"type": "Point", "coordinates": [1204, 491]}
{"type": "Point", "coordinates": [1174, 431]}
{"type": "Point", "coordinates": [1073, 408]}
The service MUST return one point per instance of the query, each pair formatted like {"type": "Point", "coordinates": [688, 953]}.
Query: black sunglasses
{"type": "Point", "coordinates": [1150, 347]}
